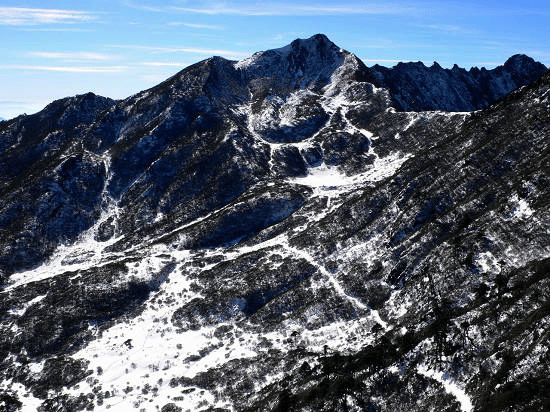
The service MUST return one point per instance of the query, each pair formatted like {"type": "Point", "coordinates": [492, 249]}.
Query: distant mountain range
{"type": "Point", "coordinates": [293, 231]}
{"type": "Point", "coordinates": [416, 87]}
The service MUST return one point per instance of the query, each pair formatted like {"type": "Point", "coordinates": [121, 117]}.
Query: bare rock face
{"type": "Point", "coordinates": [280, 233]}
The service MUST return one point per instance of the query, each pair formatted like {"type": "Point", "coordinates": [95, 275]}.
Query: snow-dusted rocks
{"type": "Point", "coordinates": [272, 234]}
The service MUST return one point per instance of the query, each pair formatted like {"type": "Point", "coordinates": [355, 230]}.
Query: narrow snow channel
{"type": "Point", "coordinates": [21, 311]}
{"type": "Point", "coordinates": [451, 387]}
{"type": "Point", "coordinates": [85, 253]}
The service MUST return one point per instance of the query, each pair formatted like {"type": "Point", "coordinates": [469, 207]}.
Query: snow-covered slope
{"type": "Point", "coordinates": [272, 234]}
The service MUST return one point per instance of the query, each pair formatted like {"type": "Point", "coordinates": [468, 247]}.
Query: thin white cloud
{"type": "Point", "coordinates": [12, 102]}
{"type": "Point", "coordinates": [10, 109]}
{"type": "Point", "coordinates": [75, 56]}
{"type": "Point", "coordinates": [191, 50]}
{"type": "Point", "coordinates": [283, 9]}
{"type": "Point", "coordinates": [449, 28]}
{"type": "Point", "coordinates": [53, 29]}
{"type": "Point", "coordinates": [486, 64]}
{"type": "Point", "coordinates": [144, 7]}
{"type": "Point", "coordinates": [69, 69]}
{"type": "Point", "coordinates": [443, 27]}
{"type": "Point", "coordinates": [22, 16]}
{"type": "Point", "coordinates": [196, 25]}
{"type": "Point", "coordinates": [495, 43]}
{"type": "Point", "coordinates": [291, 35]}
{"type": "Point", "coordinates": [539, 54]}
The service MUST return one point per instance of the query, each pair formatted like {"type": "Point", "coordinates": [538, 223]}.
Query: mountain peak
{"type": "Point", "coordinates": [319, 37]}
{"type": "Point", "coordinates": [317, 41]}
{"type": "Point", "coordinates": [520, 60]}
{"type": "Point", "coordinates": [315, 49]}
{"type": "Point", "coordinates": [300, 64]}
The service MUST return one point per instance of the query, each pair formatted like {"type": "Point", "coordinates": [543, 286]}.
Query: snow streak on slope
{"type": "Point", "coordinates": [451, 387]}
{"type": "Point", "coordinates": [85, 252]}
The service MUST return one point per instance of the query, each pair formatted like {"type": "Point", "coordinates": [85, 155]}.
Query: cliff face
{"type": "Point", "coordinates": [272, 234]}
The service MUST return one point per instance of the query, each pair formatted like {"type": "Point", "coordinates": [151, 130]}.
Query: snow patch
{"type": "Point", "coordinates": [522, 210]}
{"type": "Point", "coordinates": [488, 263]}
{"type": "Point", "coordinates": [327, 177]}
{"type": "Point", "coordinates": [450, 387]}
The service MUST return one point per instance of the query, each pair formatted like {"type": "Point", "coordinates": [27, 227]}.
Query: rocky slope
{"type": "Point", "coordinates": [272, 234]}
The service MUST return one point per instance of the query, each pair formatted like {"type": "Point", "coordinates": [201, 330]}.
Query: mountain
{"type": "Point", "coordinates": [275, 234]}
{"type": "Point", "coordinates": [416, 87]}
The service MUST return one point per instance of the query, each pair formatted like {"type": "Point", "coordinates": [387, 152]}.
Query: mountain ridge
{"type": "Point", "coordinates": [250, 239]}
{"type": "Point", "coordinates": [457, 89]}
{"type": "Point", "coordinates": [518, 70]}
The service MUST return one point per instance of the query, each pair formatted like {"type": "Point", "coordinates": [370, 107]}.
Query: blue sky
{"type": "Point", "coordinates": [53, 49]}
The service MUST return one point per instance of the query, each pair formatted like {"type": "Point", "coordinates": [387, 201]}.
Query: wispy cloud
{"type": "Point", "coordinates": [154, 78]}
{"type": "Point", "coordinates": [449, 28]}
{"type": "Point", "coordinates": [196, 25]}
{"type": "Point", "coordinates": [11, 102]}
{"type": "Point", "coordinates": [75, 56]}
{"type": "Point", "coordinates": [443, 27]}
{"type": "Point", "coordinates": [495, 43]}
{"type": "Point", "coordinates": [70, 69]}
{"type": "Point", "coordinates": [22, 16]}
{"type": "Point", "coordinates": [538, 54]}
{"type": "Point", "coordinates": [191, 50]}
{"type": "Point", "coordinates": [53, 29]}
{"type": "Point", "coordinates": [486, 64]}
{"type": "Point", "coordinates": [288, 36]}
{"type": "Point", "coordinates": [133, 5]}
{"type": "Point", "coordinates": [281, 9]}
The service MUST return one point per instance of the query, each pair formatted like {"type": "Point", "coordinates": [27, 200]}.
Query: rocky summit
{"type": "Point", "coordinates": [295, 231]}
